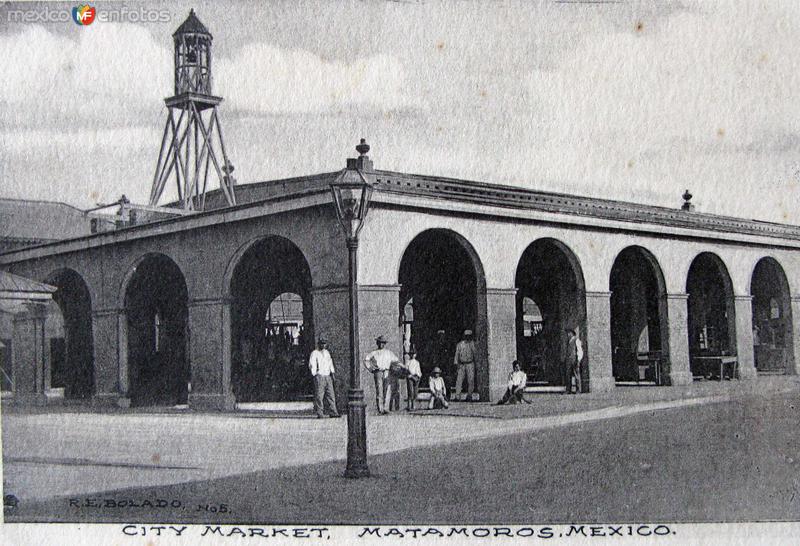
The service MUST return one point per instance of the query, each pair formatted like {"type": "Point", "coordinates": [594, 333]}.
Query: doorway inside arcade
{"type": "Point", "coordinates": [439, 282]}
{"type": "Point", "coordinates": [271, 324]}
{"type": "Point", "coordinates": [550, 300]}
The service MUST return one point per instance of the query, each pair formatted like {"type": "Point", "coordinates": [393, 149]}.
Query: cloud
{"type": "Point", "coordinates": [264, 78]}
{"type": "Point", "coordinates": [117, 72]}
{"type": "Point", "coordinates": [88, 141]}
{"type": "Point", "coordinates": [706, 99]}
{"type": "Point", "coordinates": [724, 77]}
{"type": "Point", "coordinates": [112, 73]}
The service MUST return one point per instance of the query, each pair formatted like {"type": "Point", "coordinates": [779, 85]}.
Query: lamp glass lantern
{"type": "Point", "coordinates": [351, 192]}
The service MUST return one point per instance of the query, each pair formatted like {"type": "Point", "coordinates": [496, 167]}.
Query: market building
{"type": "Point", "coordinates": [218, 298]}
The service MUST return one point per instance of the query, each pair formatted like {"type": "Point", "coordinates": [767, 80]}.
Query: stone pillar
{"type": "Point", "coordinates": [109, 350]}
{"type": "Point", "coordinates": [28, 358]}
{"type": "Point", "coordinates": [122, 359]}
{"type": "Point", "coordinates": [678, 365]}
{"type": "Point", "coordinates": [743, 306]}
{"type": "Point", "coordinates": [597, 341]}
{"type": "Point", "coordinates": [793, 365]}
{"type": "Point", "coordinates": [331, 314]}
{"type": "Point", "coordinates": [379, 314]}
{"type": "Point", "coordinates": [500, 334]}
{"type": "Point", "coordinates": [47, 364]}
{"type": "Point", "coordinates": [210, 355]}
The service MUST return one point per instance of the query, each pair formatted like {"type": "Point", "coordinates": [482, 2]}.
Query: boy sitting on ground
{"type": "Point", "coordinates": [517, 380]}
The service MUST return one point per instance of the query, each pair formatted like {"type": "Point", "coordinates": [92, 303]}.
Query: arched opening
{"type": "Point", "coordinates": [638, 318]}
{"type": "Point", "coordinates": [550, 299]}
{"type": "Point", "coordinates": [69, 337]}
{"type": "Point", "coordinates": [156, 309]}
{"type": "Point", "coordinates": [773, 344]}
{"type": "Point", "coordinates": [271, 323]}
{"type": "Point", "coordinates": [712, 317]}
{"type": "Point", "coordinates": [441, 279]}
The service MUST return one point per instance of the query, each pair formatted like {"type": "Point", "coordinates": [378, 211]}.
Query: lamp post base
{"type": "Point", "coordinates": [356, 435]}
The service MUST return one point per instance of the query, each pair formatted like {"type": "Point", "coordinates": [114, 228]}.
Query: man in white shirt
{"type": "Point", "coordinates": [464, 361]}
{"type": "Point", "coordinates": [438, 390]}
{"type": "Point", "coordinates": [321, 365]}
{"type": "Point", "coordinates": [517, 380]}
{"type": "Point", "coordinates": [378, 362]}
{"type": "Point", "coordinates": [412, 380]}
{"type": "Point", "coordinates": [574, 356]}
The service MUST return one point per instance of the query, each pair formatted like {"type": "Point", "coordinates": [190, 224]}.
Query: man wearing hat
{"type": "Point", "coordinates": [572, 364]}
{"type": "Point", "coordinates": [464, 362]}
{"type": "Point", "coordinates": [438, 389]}
{"type": "Point", "coordinates": [412, 380]}
{"type": "Point", "coordinates": [379, 362]}
{"type": "Point", "coordinates": [321, 365]}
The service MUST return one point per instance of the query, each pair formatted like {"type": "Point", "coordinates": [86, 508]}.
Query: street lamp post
{"type": "Point", "coordinates": [351, 192]}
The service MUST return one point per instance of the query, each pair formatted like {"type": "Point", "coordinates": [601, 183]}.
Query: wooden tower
{"type": "Point", "coordinates": [192, 147]}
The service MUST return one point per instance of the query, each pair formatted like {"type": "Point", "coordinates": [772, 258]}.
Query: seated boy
{"type": "Point", "coordinates": [438, 390]}
{"type": "Point", "coordinates": [517, 380]}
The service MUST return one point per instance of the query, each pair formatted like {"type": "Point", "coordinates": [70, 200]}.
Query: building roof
{"type": "Point", "coordinates": [192, 25]}
{"type": "Point", "coordinates": [41, 220]}
{"type": "Point", "coordinates": [448, 195]}
{"type": "Point", "coordinates": [452, 189]}
{"type": "Point", "coordinates": [16, 284]}
{"type": "Point", "coordinates": [577, 205]}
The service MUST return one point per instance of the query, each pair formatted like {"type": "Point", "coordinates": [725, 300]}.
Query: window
{"type": "Point", "coordinates": [532, 321]}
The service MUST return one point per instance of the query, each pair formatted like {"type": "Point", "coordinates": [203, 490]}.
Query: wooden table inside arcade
{"type": "Point", "coordinates": [705, 363]}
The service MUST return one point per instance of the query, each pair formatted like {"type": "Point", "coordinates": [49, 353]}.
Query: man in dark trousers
{"type": "Point", "coordinates": [572, 362]}
{"type": "Point", "coordinates": [464, 361]}
{"type": "Point", "coordinates": [441, 353]}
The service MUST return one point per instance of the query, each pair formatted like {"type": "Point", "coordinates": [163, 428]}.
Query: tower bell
{"type": "Point", "coordinates": [192, 146]}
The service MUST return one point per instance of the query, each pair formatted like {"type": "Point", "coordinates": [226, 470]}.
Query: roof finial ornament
{"type": "Point", "coordinates": [362, 162]}
{"type": "Point", "coordinates": [687, 201]}
{"type": "Point", "coordinates": [363, 147]}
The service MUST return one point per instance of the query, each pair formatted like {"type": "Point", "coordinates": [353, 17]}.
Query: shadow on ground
{"type": "Point", "coordinates": [733, 461]}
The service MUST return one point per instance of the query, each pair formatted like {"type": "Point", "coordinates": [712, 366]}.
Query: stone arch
{"type": "Point", "coordinates": [639, 326]}
{"type": "Point", "coordinates": [155, 303]}
{"type": "Point", "coordinates": [268, 355]}
{"type": "Point", "coordinates": [711, 320]}
{"type": "Point", "coordinates": [549, 273]}
{"type": "Point", "coordinates": [70, 338]}
{"type": "Point", "coordinates": [773, 336]}
{"type": "Point", "coordinates": [442, 276]}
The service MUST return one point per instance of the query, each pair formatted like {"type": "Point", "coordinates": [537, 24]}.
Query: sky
{"type": "Point", "coordinates": [635, 101]}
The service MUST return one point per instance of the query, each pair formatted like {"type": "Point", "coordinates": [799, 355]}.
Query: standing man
{"type": "Point", "coordinates": [413, 378]}
{"type": "Point", "coordinates": [441, 354]}
{"type": "Point", "coordinates": [378, 362]}
{"type": "Point", "coordinates": [321, 365]}
{"type": "Point", "coordinates": [464, 362]}
{"type": "Point", "coordinates": [572, 361]}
